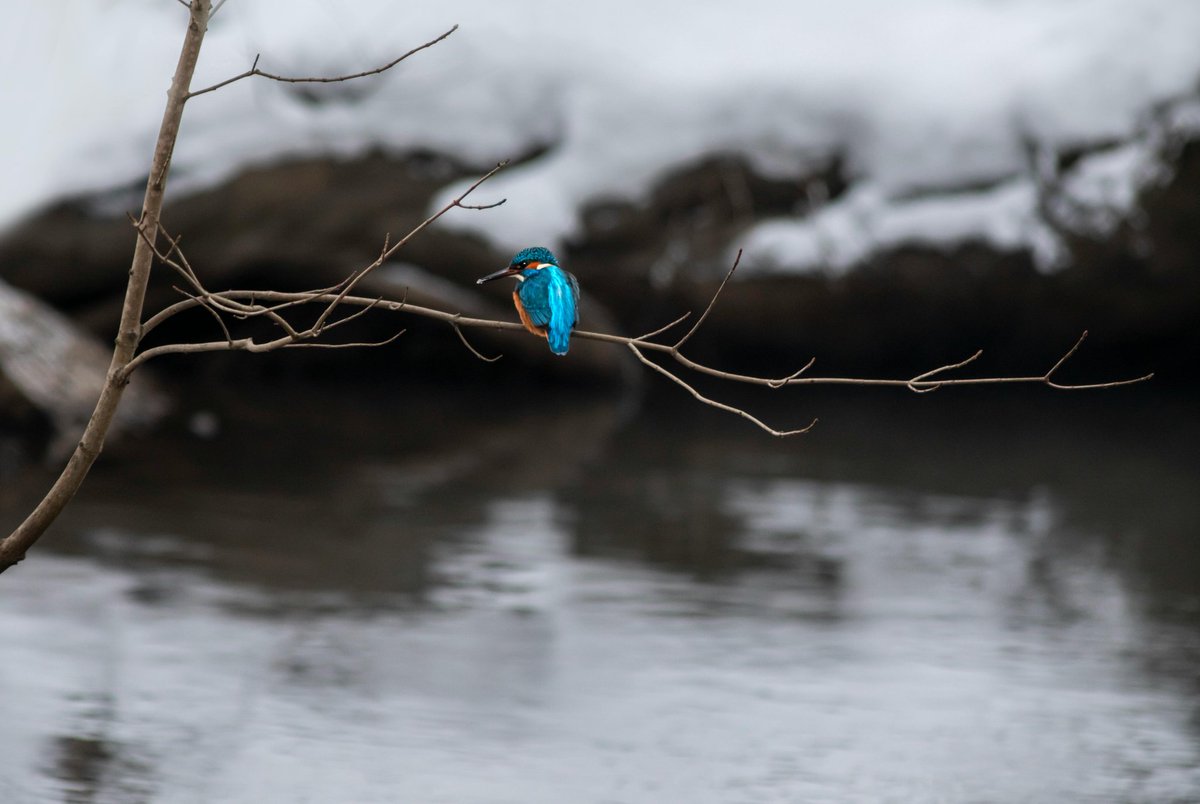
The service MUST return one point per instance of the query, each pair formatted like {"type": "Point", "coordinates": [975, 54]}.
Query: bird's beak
{"type": "Point", "coordinates": [503, 272]}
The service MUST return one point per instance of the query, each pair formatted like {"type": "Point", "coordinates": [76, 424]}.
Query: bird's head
{"type": "Point", "coordinates": [526, 260]}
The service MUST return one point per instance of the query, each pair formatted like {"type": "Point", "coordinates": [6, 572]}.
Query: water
{"type": "Point", "coordinates": [447, 600]}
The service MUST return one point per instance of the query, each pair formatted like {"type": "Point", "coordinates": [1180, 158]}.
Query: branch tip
{"type": "Point", "coordinates": [254, 71]}
{"type": "Point", "coordinates": [661, 330]}
{"type": "Point", "coordinates": [782, 381]}
{"type": "Point", "coordinates": [462, 337]}
{"type": "Point", "coordinates": [1066, 357]}
{"type": "Point", "coordinates": [711, 303]}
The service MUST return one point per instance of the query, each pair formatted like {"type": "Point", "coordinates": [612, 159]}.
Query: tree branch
{"type": "Point", "coordinates": [253, 71]}
{"type": "Point", "coordinates": [718, 405]}
{"type": "Point", "coordinates": [131, 330]}
{"type": "Point", "coordinates": [470, 348]}
{"type": "Point", "coordinates": [14, 546]}
{"type": "Point", "coordinates": [918, 384]}
{"type": "Point", "coordinates": [711, 303]}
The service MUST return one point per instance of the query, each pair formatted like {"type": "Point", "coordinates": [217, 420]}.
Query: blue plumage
{"type": "Point", "coordinates": [546, 296]}
{"type": "Point", "coordinates": [534, 254]}
{"type": "Point", "coordinates": [549, 296]}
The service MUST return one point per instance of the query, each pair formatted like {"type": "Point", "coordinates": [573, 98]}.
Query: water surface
{"type": "Point", "coordinates": [373, 598]}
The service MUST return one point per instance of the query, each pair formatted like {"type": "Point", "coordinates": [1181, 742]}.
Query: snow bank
{"type": "Point", "coordinates": [922, 98]}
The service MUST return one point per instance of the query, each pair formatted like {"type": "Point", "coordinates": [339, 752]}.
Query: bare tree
{"type": "Point", "coordinates": [285, 309]}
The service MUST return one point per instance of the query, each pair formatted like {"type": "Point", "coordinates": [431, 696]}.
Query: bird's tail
{"type": "Point", "coordinates": [560, 340]}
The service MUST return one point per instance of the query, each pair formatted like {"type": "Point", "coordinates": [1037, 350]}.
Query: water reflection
{"type": "Point", "coordinates": [360, 602]}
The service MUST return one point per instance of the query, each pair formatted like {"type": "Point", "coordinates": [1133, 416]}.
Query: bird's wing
{"type": "Point", "coordinates": [563, 295]}
{"type": "Point", "coordinates": [535, 298]}
{"type": "Point", "coordinates": [574, 294]}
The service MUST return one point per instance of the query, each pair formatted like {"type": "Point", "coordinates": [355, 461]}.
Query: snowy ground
{"type": "Point", "coordinates": [939, 106]}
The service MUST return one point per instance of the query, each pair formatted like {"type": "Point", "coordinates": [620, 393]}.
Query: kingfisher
{"type": "Point", "coordinates": [546, 296]}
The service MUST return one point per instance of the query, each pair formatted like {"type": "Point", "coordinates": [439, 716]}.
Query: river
{"type": "Point", "coordinates": [418, 595]}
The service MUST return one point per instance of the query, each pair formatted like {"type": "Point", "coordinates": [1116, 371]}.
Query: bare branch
{"type": "Point", "coordinates": [645, 345]}
{"type": "Point", "coordinates": [332, 296]}
{"type": "Point", "coordinates": [719, 405]}
{"type": "Point", "coordinates": [492, 205]}
{"type": "Point", "coordinates": [471, 348]}
{"type": "Point", "coordinates": [711, 302]}
{"type": "Point", "coordinates": [661, 330]}
{"type": "Point", "coordinates": [129, 330]}
{"type": "Point", "coordinates": [1070, 353]}
{"type": "Point", "coordinates": [388, 251]}
{"type": "Point", "coordinates": [181, 267]}
{"type": "Point", "coordinates": [366, 345]}
{"type": "Point", "coordinates": [316, 330]}
{"type": "Point", "coordinates": [920, 384]}
{"type": "Point", "coordinates": [328, 311]}
{"type": "Point", "coordinates": [782, 381]}
{"type": "Point", "coordinates": [253, 71]}
{"type": "Point", "coordinates": [209, 309]}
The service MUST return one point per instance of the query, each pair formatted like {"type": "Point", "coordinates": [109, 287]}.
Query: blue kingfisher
{"type": "Point", "coordinates": [546, 296]}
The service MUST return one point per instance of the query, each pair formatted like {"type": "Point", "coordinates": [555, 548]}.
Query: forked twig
{"type": "Point", "coordinates": [711, 302]}
{"type": "Point", "coordinates": [712, 402]}
{"type": "Point", "coordinates": [356, 345]}
{"type": "Point", "coordinates": [916, 382]}
{"type": "Point", "coordinates": [208, 309]}
{"type": "Point", "coordinates": [661, 330]}
{"type": "Point", "coordinates": [643, 346]}
{"type": "Point", "coordinates": [782, 381]}
{"type": "Point", "coordinates": [246, 304]}
{"type": "Point", "coordinates": [253, 71]}
{"type": "Point", "coordinates": [492, 205]}
{"type": "Point", "coordinates": [462, 337]}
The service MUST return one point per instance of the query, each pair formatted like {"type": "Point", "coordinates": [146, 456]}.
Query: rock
{"type": "Point", "coordinates": [48, 365]}
{"type": "Point", "coordinates": [306, 224]}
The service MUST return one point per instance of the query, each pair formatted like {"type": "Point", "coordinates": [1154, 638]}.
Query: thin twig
{"type": "Point", "coordinates": [719, 405]}
{"type": "Point", "coordinates": [368, 344]}
{"type": "Point", "coordinates": [207, 308]}
{"type": "Point", "coordinates": [711, 302]}
{"type": "Point", "coordinates": [782, 381]}
{"type": "Point", "coordinates": [316, 331]}
{"type": "Point", "coordinates": [1070, 353]}
{"type": "Point", "coordinates": [661, 330]}
{"type": "Point", "coordinates": [923, 379]}
{"type": "Point", "coordinates": [317, 80]}
{"type": "Point", "coordinates": [182, 267]}
{"type": "Point", "coordinates": [604, 337]}
{"type": "Point", "coordinates": [471, 348]}
{"type": "Point", "coordinates": [231, 301]}
{"type": "Point", "coordinates": [492, 205]}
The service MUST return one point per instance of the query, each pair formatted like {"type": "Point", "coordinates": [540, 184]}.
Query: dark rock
{"type": "Point", "coordinates": [52, 373]}
{"type": "Point", "coordinates": [306, 224]}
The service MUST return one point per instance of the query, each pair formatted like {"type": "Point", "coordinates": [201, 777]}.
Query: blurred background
{"type": "Point", "coordinates": [403, 574]}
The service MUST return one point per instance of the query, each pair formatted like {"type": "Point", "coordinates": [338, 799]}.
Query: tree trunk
{"type": "Point", "coordinates": [14, 546]}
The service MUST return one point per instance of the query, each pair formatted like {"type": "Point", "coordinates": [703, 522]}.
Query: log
{"type": "Point", "coordinates": [49, 363]}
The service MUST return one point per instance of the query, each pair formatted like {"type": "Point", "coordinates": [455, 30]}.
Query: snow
{"type": "Point", "coordinates": [922, 99]}
{"type": "Point", "coordinates": [846, 233]}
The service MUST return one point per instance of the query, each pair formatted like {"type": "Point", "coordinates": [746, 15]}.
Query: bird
{"type": "Point", "coordinates": [546, 296]}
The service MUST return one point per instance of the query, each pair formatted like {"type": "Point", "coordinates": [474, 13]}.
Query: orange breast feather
{"type": "Point", "coordinates": [529, 325]}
